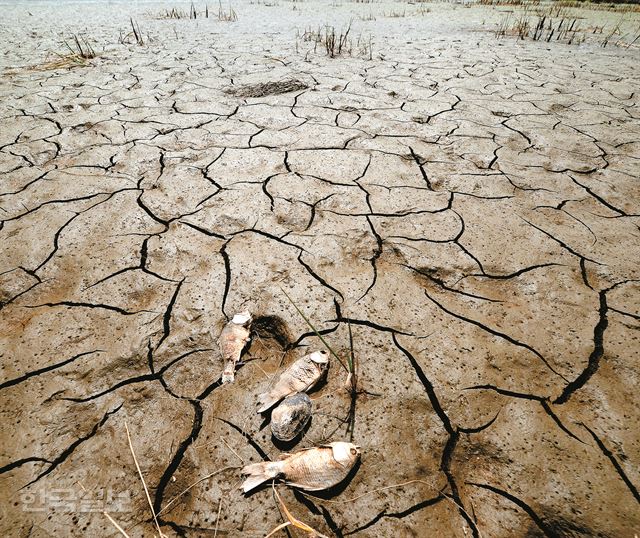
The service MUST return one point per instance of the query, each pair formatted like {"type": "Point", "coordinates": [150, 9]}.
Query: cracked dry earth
{"type": "Point", "coordinates": [469, 206]}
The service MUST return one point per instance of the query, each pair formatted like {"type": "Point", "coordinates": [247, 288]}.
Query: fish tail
{"type": "Point", "coordinates": [229, 372]}
{"type": "Point", "coordinates": [266, 401]}
{"type": "Point", "coordinates": [259, 473]}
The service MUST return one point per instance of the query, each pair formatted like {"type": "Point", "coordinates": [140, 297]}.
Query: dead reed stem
{"type": "Point", "coordinates": [155, 519]}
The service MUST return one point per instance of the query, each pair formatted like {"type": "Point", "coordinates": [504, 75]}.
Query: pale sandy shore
{"type": "Point", "coordinates": [467, 206]}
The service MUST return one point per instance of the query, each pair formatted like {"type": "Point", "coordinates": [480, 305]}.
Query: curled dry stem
{"type": "Point", "coordinates": [292, 520]}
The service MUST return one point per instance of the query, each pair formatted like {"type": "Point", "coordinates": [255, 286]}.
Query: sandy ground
{"type": "Point", "coordinates": [468, 205]}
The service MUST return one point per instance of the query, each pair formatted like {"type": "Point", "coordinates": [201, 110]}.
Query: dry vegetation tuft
{"type": "Point", "coordinates": [336, 44]}
{"type": "Point", "coordinates": [558, 23]}
{"type": "Point", "coordinates": [80, 51]}
{"type": "Point", "coordinates": [268, 88]}
{"type": "Point", "coordinates": [227, 15]}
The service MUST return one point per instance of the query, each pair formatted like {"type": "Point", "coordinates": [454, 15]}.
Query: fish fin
{"type": "Point", "coordinates": [259, 473]}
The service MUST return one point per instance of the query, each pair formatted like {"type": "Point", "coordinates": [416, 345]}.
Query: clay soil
{"type": "Point", "coordinates": [466, 205]}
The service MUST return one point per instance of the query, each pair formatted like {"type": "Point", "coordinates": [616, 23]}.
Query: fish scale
{"type": "Point", "coordinates": [314, 472]}
{"type": "Point", "coordinates": [302, 375]}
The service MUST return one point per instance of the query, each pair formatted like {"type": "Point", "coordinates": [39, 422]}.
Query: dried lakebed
{"type": "Point", "coordinates": [467, 206]}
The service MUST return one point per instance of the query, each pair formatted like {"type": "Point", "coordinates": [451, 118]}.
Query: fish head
{"type": "Point", "coordinates": [242, 318]}
{"type": "Point", "coordinates": [320, 357]}
{"type": "Point", "coordinates": [346, 454]}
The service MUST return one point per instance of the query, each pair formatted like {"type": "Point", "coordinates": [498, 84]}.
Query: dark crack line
{"type": "Point", "coordinates": [166, 318]}
{"type": "Point", "coordinates": [593, 362]}
{"type": "Point", "coordinates": [423, 172]}
{"type": "Point", "coordinates": [138, 379]}
{"type": "Point", "coordinates": [68, 200]}
{"type": "Point", "coordinates": [561, 243]}
{"type": "Point", "coordinates": [203, 230]}
{"type": "Point", "coordinates": [599, 198]}
{"type": "Point", "coordinates": [70, 449]}
{"type": "Point", "coordinates": [556, 419]}
{"type": "Point", "coordinates": [428, 387]}
{"type": "Point", "coordinates": [303, 336]}
{"type": "Point", "coordinates": [614, 462]}
{"type": "Point", "coordinates": [49, 368]}
{"type": "Point", "coordinates": [142, 266]}
{"type": "Point", "coordinates": [623, 313]}
{"type": "Point", "coordinates": [444, 286]}
{"type": "Point", "coordinates": [254, 444]}
{"type": "Point", "coordinates": [494, 332]}
{"type": "Point", "coordinates": [540, 523]}
{"type": "Point", "coordinates": [369, 324]}
{"type": "Point", "coordinates": [227, 277]}
{"type": "Point", "coordinates": [318, 277]}
{"type": "Point", "coordinates": [506, 392]}
{"type": "Point", "coordinates": [179, 455]}
{"type": "Point", "coordinates": [89, 305]}
{"type": "Point", "coordinates": [21, 462]}
{"type": "Point", "coordinates": [480, 428]}
{"type": "Point", "coordinates": [516, 273]}
{"type": "Point", "coordinates": [373, 260]}
{"type": "Point", "coordinates": [453, 433]}
{"type": "Point", "coordinates": [544, 402]}
{"type": "Point", "coordinates": [397, 515]}
{"type": "Point", "coordinates": [333, 526]}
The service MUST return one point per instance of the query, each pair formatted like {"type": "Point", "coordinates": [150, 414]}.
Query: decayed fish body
{"type": "Point", "coordinates": [302, 375]}
{"type": "Point", "coordinates": [312, 469]}
{"type": "Point", "coordinates": [233, 339]}
{"type": "Point", "coordinates": [291, 416]}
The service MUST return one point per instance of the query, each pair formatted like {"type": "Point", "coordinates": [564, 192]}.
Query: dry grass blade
{"type": "Point", "coordinates": [81, 48]}
{"type": "Point", "coordinates": [215, 532]}
{"type": "Point", "coordinates": [144, 485]}
{"type": "Point", "coordinates": [278, 528]}
{"type": "Point", "coordinates": [262, 89]}
{"type": "Point", "coordinates": [227, 16]}
{"type": "Point", "coordinates": [113, 522]}
{"type": "Point", "coordinates": [137, 32]}
{"type": "Point", "coordinates": [315, 330]}
{"type": "Point", "coordinates": [68, 61]}
{"type": "Point", "coordinates": [292, 520]}
{"type": "Point", "coordinates": [351, 361]}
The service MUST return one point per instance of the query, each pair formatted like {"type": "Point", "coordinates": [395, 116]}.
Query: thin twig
{"type": "Point", "coordinates": [116, 525]}
{"type": "Point", "coordinates": [215, 532]}
{"type": "Point", "coordinates": [155, 519]}
{"type": "Point", "coordinates": [234, 452]}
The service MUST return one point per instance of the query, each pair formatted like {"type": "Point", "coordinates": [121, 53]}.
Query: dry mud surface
{"type": "Point", "coordinates": [468, 205]}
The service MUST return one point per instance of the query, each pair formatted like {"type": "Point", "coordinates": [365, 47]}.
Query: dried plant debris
{"type": "Point", "coordinates": [263, 89]}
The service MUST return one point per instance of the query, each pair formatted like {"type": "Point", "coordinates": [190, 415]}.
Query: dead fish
{"type": "Point", "coordinates": [291, 416]}
{"type": "Point", "coordinates": [233, 339]}
{"type": "Point", "coordinates": [299, 377]}
{"type": "Point", "coordinates": [311, 469]}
